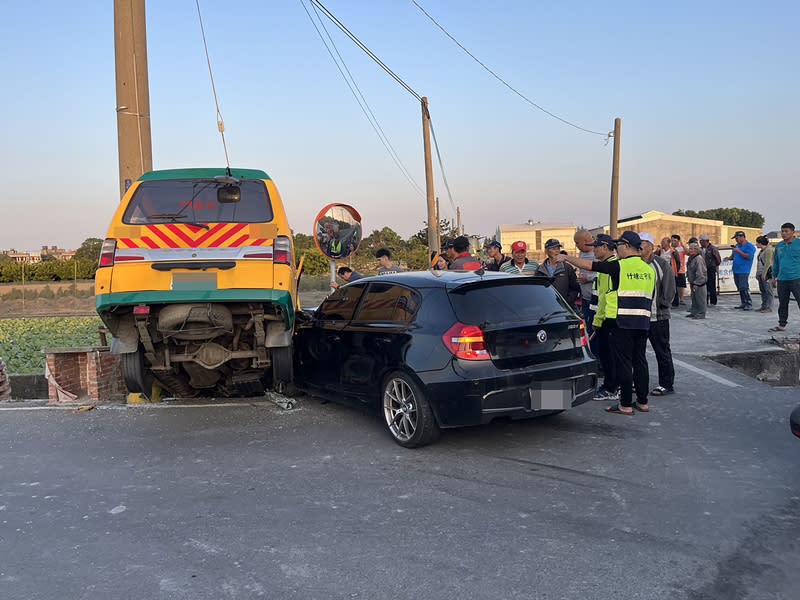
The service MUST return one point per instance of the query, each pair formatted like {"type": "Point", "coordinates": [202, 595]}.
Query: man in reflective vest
{"type": "Point", "coordinates": [604, 247]}
{"type": "Point", "coordinates": [628, 303]}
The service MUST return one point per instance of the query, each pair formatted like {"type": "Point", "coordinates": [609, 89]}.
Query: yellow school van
{"type": "Point", "coordinates": [197, 283]}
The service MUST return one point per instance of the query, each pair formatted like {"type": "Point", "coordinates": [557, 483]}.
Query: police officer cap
{"type": "Point", "coordinates": [604, 239]}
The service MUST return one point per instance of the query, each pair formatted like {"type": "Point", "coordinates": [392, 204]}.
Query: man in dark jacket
{"type": "Point", "coordinates": [565, 281]}
{"type": "Point", "coordinates": [496, 257]}
{"type": "Point", "coordinates": [713, 260]}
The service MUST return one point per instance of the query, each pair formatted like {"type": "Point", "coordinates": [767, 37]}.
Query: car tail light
{"type": "Point", "coordinates": [283, 250]}
{"type": "Point", "coordinates": [584, 339]}
{"type": "Point", "coordinates": [466, 341]}
{"type": "Point", "coordinates": [141, 309]}
{"type": "Point", "coordinates": [107, 252]}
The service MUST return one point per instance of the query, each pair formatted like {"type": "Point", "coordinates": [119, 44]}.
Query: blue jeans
{"type": "Point", "coordinates": [742, 281]}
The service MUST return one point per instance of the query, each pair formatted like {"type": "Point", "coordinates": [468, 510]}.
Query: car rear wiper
{"type": "Point", "coordinates": [552, 314]}
{"type": "Point", "coordinates": [175, 217]}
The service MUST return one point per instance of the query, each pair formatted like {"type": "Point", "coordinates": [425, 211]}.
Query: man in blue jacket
{"type": "Point", "coordinates": [743, 254]}
{"type": "Point", "coordinates": [786, 271]}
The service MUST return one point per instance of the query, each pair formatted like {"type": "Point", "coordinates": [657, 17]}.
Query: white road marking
{"type": "Point", "coordinates": [710, 376]}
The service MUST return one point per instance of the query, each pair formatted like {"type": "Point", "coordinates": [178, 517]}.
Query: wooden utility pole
{"type": "Point", "coordinates": [615, 181]}
{"type": "Point", "coordinates": [133, 92]}
{"type": "Point", "coordinates": [433, 217]}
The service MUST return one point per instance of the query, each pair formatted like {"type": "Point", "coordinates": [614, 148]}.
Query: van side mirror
{"type": "Point", "coordinates": [229, 194]}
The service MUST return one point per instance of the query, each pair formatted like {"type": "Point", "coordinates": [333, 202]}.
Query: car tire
{"type": "Point", "coordinates": [407, 413]}
{"type": "Point", "coordinates": [138, 378]}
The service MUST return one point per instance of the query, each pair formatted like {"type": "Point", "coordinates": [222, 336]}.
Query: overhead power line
{"type": "Point", "coordinates": [359, 97]}
{"type": "Point", "coordinates": [441, 167]}
{"type": "Point", "coordinates": [501, 80]}
{"type": "Point", "coordinates": [369, 52]}
{"type": "Point", "coordinates": [220, 121]}
{"type": "Point", "coordinates": [317, 4]}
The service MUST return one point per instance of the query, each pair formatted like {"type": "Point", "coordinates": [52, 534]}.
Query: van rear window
{"type": "Point", "coordinates": [195, 201]}
{"type": "Point", "coordinates": [515, 300]}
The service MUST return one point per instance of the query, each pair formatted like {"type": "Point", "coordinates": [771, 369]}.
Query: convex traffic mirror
{"type": "Point", "coordinates": [337, 231]}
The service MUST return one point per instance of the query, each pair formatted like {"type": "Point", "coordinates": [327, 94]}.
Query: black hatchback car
{"type": "Point", "coordinates": [435, 349]}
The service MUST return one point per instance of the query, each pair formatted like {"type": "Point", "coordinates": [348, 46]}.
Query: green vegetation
{"type": "Point", "coordinates": [730, 216]}
{"type": "Point", "coordinates": [22, 340]}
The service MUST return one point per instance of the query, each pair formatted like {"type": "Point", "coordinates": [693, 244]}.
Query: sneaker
{"type": "Point", "coordinates": [739, 307]}
{"type": "Point", "coordinates": [603, 394]}
{"type": "Point", "coordinates": [747, 308]}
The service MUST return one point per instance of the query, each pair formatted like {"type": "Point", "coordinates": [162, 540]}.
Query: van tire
{"type": "Point", "coordinates": [138, 378]}
{"type": "Point", "coordinates": [282, 367]}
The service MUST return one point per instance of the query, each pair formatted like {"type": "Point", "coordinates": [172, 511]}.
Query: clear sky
{"type": "Point", "coordinates": [708, 93]}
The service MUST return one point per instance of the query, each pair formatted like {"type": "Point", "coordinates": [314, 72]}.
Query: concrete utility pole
{"type": "Point", "coordinates": [615, 180]}
{"type": "Point", "coordinates": [433, 218]}
{"type": "Point", "coordinates": [458, 220]}
{"type": "Point", "coordinates": [133, 92]}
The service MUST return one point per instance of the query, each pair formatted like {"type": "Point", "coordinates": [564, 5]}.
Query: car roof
{"type": "Point", "coordinates": [444, 279]}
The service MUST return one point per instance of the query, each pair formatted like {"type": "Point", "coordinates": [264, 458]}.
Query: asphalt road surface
{"type": "Point", "coordinates": [700, 499]}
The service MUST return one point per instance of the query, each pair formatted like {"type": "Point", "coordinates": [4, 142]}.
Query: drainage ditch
{"type": "Point", "coordinates": [778, 367]}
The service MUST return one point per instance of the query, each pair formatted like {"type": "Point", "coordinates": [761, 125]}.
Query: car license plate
{"type": "Point", "coordinates": [555, 395]}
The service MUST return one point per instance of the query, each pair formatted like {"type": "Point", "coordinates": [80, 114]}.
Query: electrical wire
{"type": "Point", "coordinates": [362, 102]}
{"type": "Point", "coordinates": [369, 52]}
{"type": "Point", "coordinates": [220, 121]}
{"type": "Point", "coordinates": [441, 166]}
{"type": "Point", "coordinates": [503, 81]}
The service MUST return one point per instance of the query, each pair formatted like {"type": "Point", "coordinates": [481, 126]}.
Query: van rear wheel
{"type": "Point", "coordinates": [282, 368]}
{"type": "Point", "coordinates": [138, 378]}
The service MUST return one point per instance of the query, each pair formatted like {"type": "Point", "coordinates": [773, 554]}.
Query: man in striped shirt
{"type": "Point", "coordinates": [519, 263]}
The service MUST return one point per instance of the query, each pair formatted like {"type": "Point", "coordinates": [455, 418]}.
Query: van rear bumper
{"type": "Point", "coordinates": [105, 302]}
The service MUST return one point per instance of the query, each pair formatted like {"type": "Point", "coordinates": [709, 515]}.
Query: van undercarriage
{"type": "Point", "coordinates": [211, 349]}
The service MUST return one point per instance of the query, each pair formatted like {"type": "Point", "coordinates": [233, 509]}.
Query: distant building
{"type": "Point", "coordinates": [57, 253]}
{"type": "Point", "coordinates": [22, 257]}
{"type": "Point", "coordinates": [535, 235]}
{"type": "Point", "coordinates": [661, 225]}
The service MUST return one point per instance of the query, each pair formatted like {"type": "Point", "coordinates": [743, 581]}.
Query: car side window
{"type": "Point", "coordinates": [340, 305]}
{"type": "Point", "coordinates": [387, 302]}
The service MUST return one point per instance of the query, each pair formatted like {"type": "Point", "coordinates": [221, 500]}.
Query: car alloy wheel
{"type": "Point", "coordinates": [407, 413]}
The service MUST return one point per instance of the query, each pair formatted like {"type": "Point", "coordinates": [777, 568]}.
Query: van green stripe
{"type": "Point", "coordinates": [206, 173]}
{"type": "Point", "coordinates": [104, 302]}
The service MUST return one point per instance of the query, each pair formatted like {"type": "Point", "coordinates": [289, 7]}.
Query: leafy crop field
{"type": "Point", "coordinates": [22, 340]}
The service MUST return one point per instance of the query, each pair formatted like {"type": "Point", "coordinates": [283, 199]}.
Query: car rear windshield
{"type": "Point", "coordinates": [515, 300]}
{"type": "Point", "coordinates": [195, 201]}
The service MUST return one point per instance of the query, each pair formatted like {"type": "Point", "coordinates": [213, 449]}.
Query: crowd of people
{"type": "Point", "coordinates": [626, 288]}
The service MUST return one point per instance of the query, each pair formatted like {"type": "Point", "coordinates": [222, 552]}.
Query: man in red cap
{"type": "Point", "coordinates": [519, 263]}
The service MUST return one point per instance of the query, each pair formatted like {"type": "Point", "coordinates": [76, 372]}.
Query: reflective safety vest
{"type": "Point", "coordinates": [631, 302]}
{"type": "Point", "coordinates": [600, 287]}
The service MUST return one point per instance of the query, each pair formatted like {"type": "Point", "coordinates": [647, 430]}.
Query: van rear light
{"type": "Point", "coordinates": [266, 255]}
{"type": "Point", "coordinates": [107, 252]}
{"type": "Point", "coordinates": [584, 339]}
{"type": "Point", "coordinates": [124, 257]}
{"type": "Point", "coordinates": [466, 341]}
{"type": "Point", "coordinates": [283, 250]}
